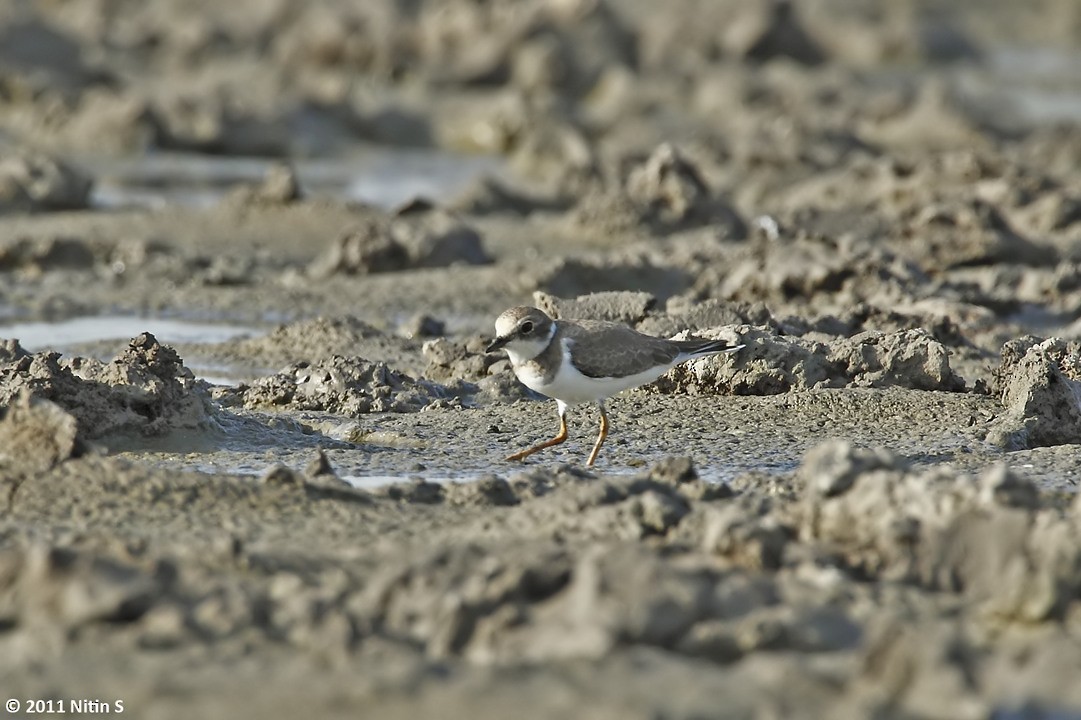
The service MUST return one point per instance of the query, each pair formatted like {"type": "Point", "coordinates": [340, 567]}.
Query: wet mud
{"type": "Point", "coordinates": [870, 510]}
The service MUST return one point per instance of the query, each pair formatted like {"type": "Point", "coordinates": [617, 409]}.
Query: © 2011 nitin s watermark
{"type": "Point", "coordinates": [62, 706]}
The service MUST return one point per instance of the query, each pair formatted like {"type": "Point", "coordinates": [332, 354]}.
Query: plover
{"type": "Point", "coordinates": [587, 361]}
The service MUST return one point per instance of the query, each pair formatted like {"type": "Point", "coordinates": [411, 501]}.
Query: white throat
{"type": "Point", "coordinates": [522, 351]}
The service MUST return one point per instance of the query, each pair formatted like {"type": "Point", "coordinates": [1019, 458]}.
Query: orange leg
{"type": "Point", "coordinates": [600, 436]}
{"type": "Point", "coordinates": [547, 443]}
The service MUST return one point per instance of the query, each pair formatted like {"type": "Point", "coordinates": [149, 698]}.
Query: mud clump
{"type": "Point", "coordinates": [37, 434]}
{"type": "Point", "coordinates": [681, 314]}
{"type": "Point", "coordinates": [435, 238]}
{"type": "Point", "coordinates": [772, 364]}
{"type": "Point", "coordinates": [573, 277]}
{"type": "Point", "coordinates": [40, 254]}
{"type": "Point", "coordinates": [11, 351]}
{"type": "Point", "coordinates": [54, 590]}
{"type": "Point", "coordinates": [625, 307]}
{"type": "Point", "coordinates": [987, 539]}
{"type": "Point", "coordinates": [665, 193]}
{"type": "Point", "coordinates": [145, 391]}
{"type": "Point", "coordinates": [363, 251]}
{"type": "Point", "coordinates": [471, 370]}
{"type": "Point", "coordinates": [671, 192]}
{"type": "Point", "coordinates": [314, 339]}
{"type": "Point", "coordinates": [642, 311]}
{"type": "Point", "coordinates": [207, 123]}
{"type": "Point", "coordinates": [422, 325]}
{"type": "Point", "coordinates": [974, 233]}
{"type": "Point", "coordinates": [115, 259]}
{"type": "Point", "coordinates": [781, 35]}
{"type": "Point", "coordinates": [341, 385]}
{"type": "Point", "coordinates": [34, 182]}
{"type": "Point", "coordinates": [1039, 384]}
{"type": "Point", "coordinates": [279, 186]}
{"type": "Point", "coordinates": [448, 359]}
{"type": "Point", "coordinates": [432, 239]}
{"type": "Point", "coordinates": [907, 358]}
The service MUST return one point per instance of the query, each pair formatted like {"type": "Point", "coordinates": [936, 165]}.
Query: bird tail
{"type": "Point", "coordinates": [689, 349]}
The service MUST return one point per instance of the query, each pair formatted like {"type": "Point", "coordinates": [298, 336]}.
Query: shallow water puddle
{"type": "Point", "coordinates": [371, 482]}
{"type": "Point", "coordinates": [1041, 83]}
{"type": "Point", "coordinates": [62, 335]}
{"type": "Point", "coordinates": [360, 482]}
{"type": "Point", "coordinates": [383, 177]}
{"type": "Point", "coordinates": [37, 336]}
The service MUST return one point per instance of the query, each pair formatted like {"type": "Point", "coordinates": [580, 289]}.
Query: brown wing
{"type": "Point", "coordinates": [603, 349]}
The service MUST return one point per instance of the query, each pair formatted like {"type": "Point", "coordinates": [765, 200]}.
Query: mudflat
{"type": "Point", "coordinates": [280, 489]}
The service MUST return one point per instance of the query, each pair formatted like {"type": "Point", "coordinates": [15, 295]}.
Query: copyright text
{"type": "Point", "coordinates": [62, 706]}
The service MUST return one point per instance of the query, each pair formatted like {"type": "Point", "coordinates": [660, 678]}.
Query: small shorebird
{"type": "Point", "coordinates": [587, 361]}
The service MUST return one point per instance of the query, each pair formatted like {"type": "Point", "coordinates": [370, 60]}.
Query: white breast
{"type": "Point", "coordinates": [571, 386]}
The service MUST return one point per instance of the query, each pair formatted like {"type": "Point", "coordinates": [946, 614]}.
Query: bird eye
{"type": "Point", "coordinates": [526, 327]}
